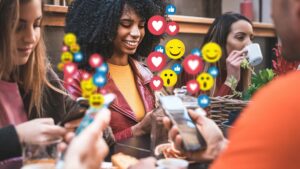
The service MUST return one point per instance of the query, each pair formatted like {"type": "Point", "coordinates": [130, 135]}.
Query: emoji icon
{"type": "Point", "coordinates": [156, 61]}
{"type": "Point", "coordinates": [69, 80]}
{"type": "Point", "coordinates": [95, 60]}
{"type": "Point", "coordinates": [66, 57]}
{"type": "Point", "coordinates": [60, 66]}
{"type": "Point", "coordinates": [206, 81]}
{"type": "Point", "coordinates": [69, 69]}
{"type": "Point", "coordinates": [169, 77]}
{"type": "Point", "coordinates": [102, 69]}
{"type": "Point", "coordinates": [69, 39]}
{"type": "Point", "coordinates": [211, 52]}
{"type": "Point", "coordinates": [196, 52]}
{"type": "Point", "coordinates": [203, 101]}
{"type": "Point", "coordinates": [157, 25]}
{"type": "Point", "coordinates": [192, 86]}
{"type": "Point", "coordinates": [170, 9]}
{"type": "Point", "coordinates": [213, 70]}
{"type": "Point", "coordinates": [64, 49]}
{"type": "Point", "coordinates": [172, 28]}
{"type": "Point", "coordinates": [96, 100]}
{"type": "Point", "coordinates": [78, 57]}
{"type": "Point", "coordinates": [156, 83]}
{"type": "Point", "coordinates": [86, 75]}
{"type": "Point", "coordinates": [99, 79]}
{"type": "Point", "coordinates": [177, 68]}
{"type": "Point", "coordinates": [87, 87]}
{"type": "Point", "coordinates": [74, 48]}
{"type": "Point", "coordinates": [160, 48]}
{"type": "Point", "coordinates": [175, 49]}
{"type": "Point", "coordinates": [193, 64]}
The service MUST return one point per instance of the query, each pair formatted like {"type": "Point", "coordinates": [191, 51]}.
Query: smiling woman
{"type": "Point", "coordinates": [29, 89]}
{"type": "Point", "coordinates": [117, 30]}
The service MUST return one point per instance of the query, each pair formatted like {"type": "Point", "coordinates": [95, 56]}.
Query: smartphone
{"type": "Point", "coordinates": [90, 113]}
{"type": "Point", "coordinates": [175, 109]}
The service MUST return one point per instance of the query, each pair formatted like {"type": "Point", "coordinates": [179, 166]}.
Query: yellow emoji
{"type": "Point", "coordinates": [96, 100]}
{"type": "Point", "coordinates": [69, 39]}
{"type": "Point", "coordinates": [211, 52]}
{"type": "Point", "coordinates": [60, 66]}
{"type": "Point", "coordinates": [206, 81]}
{"type": "Point", "coordinates": [74, 48]}
{"type": "Point", "coordinates": [87, 88]}
{"type": "Point", "coordinates": [66, 57]}
{"type": "Point", "coordinates": [169, 77]}
{"type": "Point", "coordinates": [175, 49]}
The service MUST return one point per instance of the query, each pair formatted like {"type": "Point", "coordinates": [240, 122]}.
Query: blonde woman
{"type": "Point", "coordinates": [29, 89]}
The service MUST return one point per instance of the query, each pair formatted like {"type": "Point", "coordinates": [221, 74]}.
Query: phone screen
{"type": "Point", "coordinates": [174, 108]}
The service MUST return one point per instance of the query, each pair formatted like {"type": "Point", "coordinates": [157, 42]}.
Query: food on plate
{"type": "Point", "coordinates": [123, 161]}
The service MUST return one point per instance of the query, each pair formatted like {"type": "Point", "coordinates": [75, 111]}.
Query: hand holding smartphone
{"type": "Point", "coordinates": [91, 112]}
{"type": "Point", "coordinates": [176, 111]}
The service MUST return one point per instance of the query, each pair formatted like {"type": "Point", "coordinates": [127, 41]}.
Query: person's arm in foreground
{"type": "Point", "coordinates": [88, 149]}
{"type": "Point", "coordinates": [212, 134]}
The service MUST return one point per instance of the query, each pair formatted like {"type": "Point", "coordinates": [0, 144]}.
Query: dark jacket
{"type": "Point", "coordinates": [123, 116]}
{"type": "Point", "coordinates": [57, 106]}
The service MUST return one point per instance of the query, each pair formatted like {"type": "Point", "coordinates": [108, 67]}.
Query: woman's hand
{"type": "Point", "coordinates": [233, 64]}
{"type": "Point", "coordinates": [88, 149]}
{"type": "Point", "coordinates": [210, 131]}
{"type": "Point", "coordinates": [39, 130]}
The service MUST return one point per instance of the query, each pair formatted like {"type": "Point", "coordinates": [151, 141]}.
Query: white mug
{"type": "Point", "coordinates": [254, 54]}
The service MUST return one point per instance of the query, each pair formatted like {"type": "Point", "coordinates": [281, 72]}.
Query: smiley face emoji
{"type": "Point", "coordinates": [74, 48]}
{"type": "Point", "coordinates": [66, 57]}
{"type": "Point", "coordinates": [169, 77]}
{"type": "Point", "coordinates": [96, 100]}
{"type": "Point", "coordinates": [87, 87]}
{"type": "Point", "coordinates": [211, 52]}
{"type": "Point", "coordinates": [206, 81]}
{"type": "Point", "coordinates": [175, 49]}
{"type": "Point", "coordinates": [69, 39]}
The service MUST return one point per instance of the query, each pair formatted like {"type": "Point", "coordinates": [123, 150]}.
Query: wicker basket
{"type": "Point", "coordinates": [220, 107]}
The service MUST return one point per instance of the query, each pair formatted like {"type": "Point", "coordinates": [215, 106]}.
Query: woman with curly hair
{"type": "Point", "coordinates": [116, 29]}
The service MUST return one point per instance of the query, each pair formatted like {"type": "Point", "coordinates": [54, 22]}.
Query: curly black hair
{"type": "Point", "coordinates": [95, 22]}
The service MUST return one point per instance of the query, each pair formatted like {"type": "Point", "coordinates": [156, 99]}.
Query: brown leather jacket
{"type": "Point", "coordinates": [122, 115]}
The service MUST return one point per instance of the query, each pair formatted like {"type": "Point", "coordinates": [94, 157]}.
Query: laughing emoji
{"type": "Point", "coordinates": [211, 52]}
{"type": "Point", "coordinates": [87, 88]}
{"type": "Point", "coordinates": [169, 77]}
{"type": "Point", "coordinates": [96, 100]}
{"type": "Point", "coordinates": [175, 49]}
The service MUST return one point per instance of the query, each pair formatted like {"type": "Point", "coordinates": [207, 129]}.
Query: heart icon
{"type": "Point", "coordinates": [95, 60]}
{"type": "Point", "coordinates": [192, 86]}
{"type": "Point", "coordinates": [85, 75]}
{"type": "Point", "coordinates": [172, 29]}
{"type": "Point", "coordinates": [156, 61]}
{"type": "Point", "coordinates": [193, 64]}
{"type": "Point", "coordinates": [70, 69]}
{"type": "Point", "coordinates": [157, 25]}
{"type": "Point", "coordinates": [156, 83]}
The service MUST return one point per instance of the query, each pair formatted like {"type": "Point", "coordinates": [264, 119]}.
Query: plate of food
{"type": "Point", "coordinates": [167, 150]}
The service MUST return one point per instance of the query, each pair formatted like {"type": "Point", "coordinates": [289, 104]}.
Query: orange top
{"type": "Point", "coordinates": [267, 134]}
{"type": "Point", "coordinates": [124, 80]}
